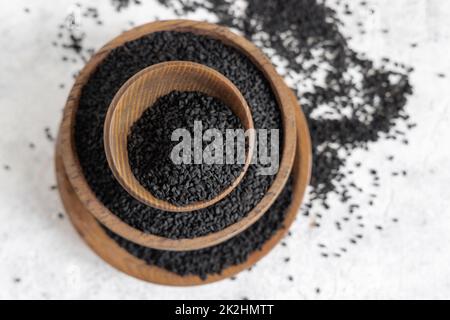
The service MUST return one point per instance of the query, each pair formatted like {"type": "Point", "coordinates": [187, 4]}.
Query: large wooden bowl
{"type": "Point", "coordinates": [95, 236]}
{"type": "Point", "coordinates": [140, 93]}
{"type": "Point", "coordinates": [87, 197]}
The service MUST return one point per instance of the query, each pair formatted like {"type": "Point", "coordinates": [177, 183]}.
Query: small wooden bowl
{"type": "Point", "coordinates": [140, 92]}
{"type": "Point", "coordinates": [96, 238]}
{"type": "Point", "coordinates": [75, 174]}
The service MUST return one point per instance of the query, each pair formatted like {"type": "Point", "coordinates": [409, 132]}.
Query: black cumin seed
{"type": "Point", "coordinates": [115, 70]}
{"type": "Point", "coordinates": [214, 259]}
{"type": "Point", "coordinates": [350, 134]}
{"type": "Point", "coordinates": [150, 148]}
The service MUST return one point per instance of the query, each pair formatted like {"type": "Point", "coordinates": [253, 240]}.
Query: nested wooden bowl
{"type": "Point", "coordinates": [95, 236]}
{"type": "Point", "coordinates": [87, 197]}
{"type": "Point", "coordinates": [140, 93]}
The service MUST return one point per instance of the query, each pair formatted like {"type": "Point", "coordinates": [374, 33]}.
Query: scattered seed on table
{"type": "Point", "coordinates": [48, 134]}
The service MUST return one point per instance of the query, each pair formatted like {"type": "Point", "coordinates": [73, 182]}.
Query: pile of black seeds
{"type": "Point", "coordinates": [350, 100]}
{"type": "Point", "coordinates": [121, 4]}
{"type": "Point", "coordinates": [113, 72]}
{"type": "Point", "coordinates": [214, 260]}
{"type": "Point", "coordinates": [150, 147]}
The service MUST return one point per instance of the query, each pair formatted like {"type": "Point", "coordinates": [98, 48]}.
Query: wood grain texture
{"type": "Point", "coordinates": [140, 93]}
{"type": "Point", "coordinates": [94, 235]}
{"type": "Point", "coordinates": [100, 212]}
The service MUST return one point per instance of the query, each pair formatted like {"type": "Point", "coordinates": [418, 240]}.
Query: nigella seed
{"type": "Point", "coordinates": [110, 75]}
{"type": "Point", "coordinates": [150, 147]}
{"type": "Point", "coordinates": [319, 31]}
{"type": "Point", "coordinates": [214, 259]}
{"type": "Point", "coordinates": [48, 134]}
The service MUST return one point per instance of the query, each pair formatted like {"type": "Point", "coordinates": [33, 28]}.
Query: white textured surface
{"type": "Point", "coordinates": [406, 260]}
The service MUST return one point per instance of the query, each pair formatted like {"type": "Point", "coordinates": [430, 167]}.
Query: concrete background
{"type": "Point", "coordinates": [41, 256]}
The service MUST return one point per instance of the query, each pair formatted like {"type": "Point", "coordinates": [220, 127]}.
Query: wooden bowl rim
{"type": "Point", "coordinates": [113, 222]}
{"type": "Point", "coordinates": [96, 238]}
{"type": "Point", "coordinates": [146, 196]}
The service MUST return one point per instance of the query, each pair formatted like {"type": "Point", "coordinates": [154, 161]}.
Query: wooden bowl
{"type": "Point", "coordinates": [140, 92]}
{"type": "Point", "coordinates": [95, 236]}
{"type": "Point", "coordinates": [75, 173]}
